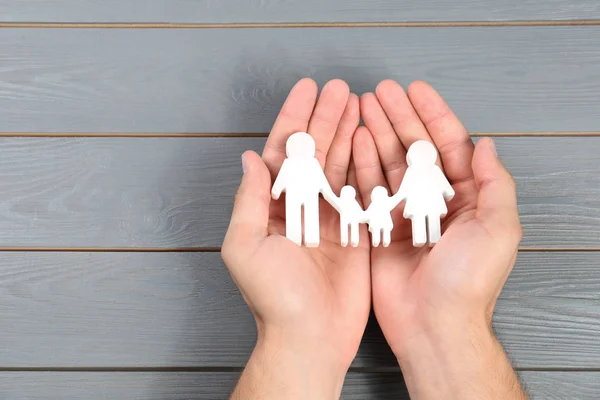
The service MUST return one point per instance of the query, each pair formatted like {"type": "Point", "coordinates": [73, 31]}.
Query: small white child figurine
{"type": "Point", "coordinates": [426, 190]}
{"type": "Point", "coordinates": [351, 216]}
{"type": "Point", "coordinates": [379, 216]}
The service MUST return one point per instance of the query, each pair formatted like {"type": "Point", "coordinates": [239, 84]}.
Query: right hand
{"type": "Point", "coordinates": [311, 305]}
{"type": "Point", "coordinates": [426, 294]}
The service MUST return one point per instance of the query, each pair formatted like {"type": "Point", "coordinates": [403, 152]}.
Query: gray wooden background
{"type": "Point", "coordinates": [121, 127]}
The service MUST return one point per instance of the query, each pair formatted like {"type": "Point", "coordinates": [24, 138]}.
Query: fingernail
{"type": "Point", "coordinates": [244, 163]}
{"type": "Point", "coordinates": [493, 147]}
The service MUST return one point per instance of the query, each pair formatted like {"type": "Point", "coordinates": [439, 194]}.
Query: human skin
{"type": "Point", "coordinates": [311, 305]}
{"type": "Point", "coordinates": [435, 304]}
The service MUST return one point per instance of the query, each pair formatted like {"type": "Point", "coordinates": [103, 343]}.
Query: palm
{"type": "Point", "coordinates": [327, 285]}
{"type": "Point", "coordinates": [408, 281]}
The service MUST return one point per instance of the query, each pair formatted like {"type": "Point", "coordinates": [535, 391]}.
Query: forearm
{"type": "Point", "coordinates": [465, 364]}
{"type": "Point", "coordinates": [282, 368]}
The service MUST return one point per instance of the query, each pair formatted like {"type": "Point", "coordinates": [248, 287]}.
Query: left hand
{"type": "Point", "coordinates": [311, 305]}
{"type": "Point", "coordinates": [425, 297]}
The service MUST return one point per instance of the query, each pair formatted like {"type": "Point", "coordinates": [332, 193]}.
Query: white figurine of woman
{"type": "Point", "coordinates": [351, 216]}
{"type": "Point", "coordinates": [379, 216]}
{"type": "Point", "coordinates": [426, 190]}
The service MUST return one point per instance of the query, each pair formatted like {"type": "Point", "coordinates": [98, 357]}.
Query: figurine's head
{"type": "Point", "coordinates": [378, 193]}
{"type": "Point", "coordinates": [300, 145]}
{"type": "Point", "coordinates": [421, 153]}
{"type": "Point", "coordinates": [348, 192]}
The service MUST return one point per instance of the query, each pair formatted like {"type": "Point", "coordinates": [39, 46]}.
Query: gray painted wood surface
{"type": "Point", "coordinates": [517, 79]}
{"type": "Point", "coordinates": [559, 385]}
{"type": "Point", "coordinates": [227, 11]}
{"type": "Point", "coordinates": [173, 386]}
{"type": "Point", "coordinates": [138, 315]}
{"type": "Point", "coordinates": [178, 192]}
{"type": "Point", "coordinates": [139, 310]}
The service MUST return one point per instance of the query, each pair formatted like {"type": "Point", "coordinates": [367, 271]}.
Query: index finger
{"type": "Point", "coordinates": [448, 133]}
{"type": "Point", "coordinates": [293, 117]}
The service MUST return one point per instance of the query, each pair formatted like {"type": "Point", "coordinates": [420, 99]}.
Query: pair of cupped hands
{"type": "Point", "coordinates": [313, 303]}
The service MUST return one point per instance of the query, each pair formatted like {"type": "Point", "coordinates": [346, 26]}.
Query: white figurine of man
{"type": "Point", "coordinates": [379, 216]}
{"type": "Point", "coordinates": [351, 216]}
{"type": "Point", "coordinates": [426, 190]}
{"type": "Point", "coordinates": [302, 179]}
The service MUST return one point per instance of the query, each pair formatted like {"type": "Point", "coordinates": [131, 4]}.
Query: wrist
{"type": "Point", "coordinates": [291, 367]}
{"type": "Point", "coordinates": [459, 361]}
{"type": "Point", "coordinates": [445, 335]}
{"type": "Point", "coordinates": [310, 356]}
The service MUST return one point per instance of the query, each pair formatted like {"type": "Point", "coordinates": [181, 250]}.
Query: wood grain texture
{"type": "Point", "coordinates": [131, 310]}
{"type": "Point", "coordinates": [519, 79]}
{"type": "Point", "coordinates": [178, 192]}
{"type": "Point", "coordinates": [214, 385]}
{"type": "Point", "coordinates": [228, 11]}
{"type": "Point", "coordinates": [171, 386]}
{"type": "Point", "coordinates": [561, 385]}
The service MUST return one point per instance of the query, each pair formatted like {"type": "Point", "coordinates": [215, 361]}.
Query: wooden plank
{"type": "Point", "coordinates": [168, 385]}
{"type": "Point", "coordinates": [178, 192]}
{"type": "Point", "coordinates": [557, 385]}
{"type": "Point", "coordinates": [277, 11]}
{"type": "Point", "coordinates": [131, 310]}
{"type": "Point", "coordinates": [520, 79]}
{"type": "Point", "coordinates": [561, 385]}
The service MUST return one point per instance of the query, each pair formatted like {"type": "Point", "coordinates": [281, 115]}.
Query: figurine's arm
{"type": "Point", "coordinates": [326, 190]}
{"type": "Point", "coordinates": [359, 215]}
{"type": "Point", "coordinates": [401, 194]}
{"type": "Point", "coordinates": [331, 198]}
{"type": "Point", "coordinates": [447, 189]}
{"type": "Point", "coordinates": [369, 214]}
{"type": "Point", "coordinates": [398, 198]}
{"type": "Point", "coordinates": [364, 216]}
{"type": "Point", "coordinates": [279, 185]}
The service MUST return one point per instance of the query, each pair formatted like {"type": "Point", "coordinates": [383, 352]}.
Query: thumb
{"type": "Point", "coordinates": [250, 217]}
{"type": "Point", "coordinates": [497, 200]}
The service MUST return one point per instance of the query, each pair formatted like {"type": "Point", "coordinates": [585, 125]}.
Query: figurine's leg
{"type": "Point", "coordinates": [354, 234]}
{"type": "Point", "coordinates": [312, 235]}
{"type": "Point", "coordinates": [293, 222]}
{"type": "Point", "coordinates": [344, 232]}
{"type": "Point", "coordinates": [387, 237]}
{"type": "Point", "coordinates": [419, 231]}
{"type": "Point", "coordinates": [376, 237]}
{"type": "Point", "coordinates": [434, 229]}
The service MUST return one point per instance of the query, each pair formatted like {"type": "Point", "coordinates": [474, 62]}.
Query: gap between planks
{"type": "Point", "coordinates": [218, 369]}
{"type": "Point", "coordinates": [111, 249]}
{"type": "Point", "coordinates": [415, 24]}
{"type": "Point", "coordinates": [218, 249]}
{"type": "Point", "coordinates": [241, 135]}
{"type": "Point", "coordinates": [255, 135]}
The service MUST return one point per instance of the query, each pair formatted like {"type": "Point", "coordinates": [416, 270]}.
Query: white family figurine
{"type": "Point", "coordinates": [424, 188]}
{"type": "Point", "coordinates": [302, 179]}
